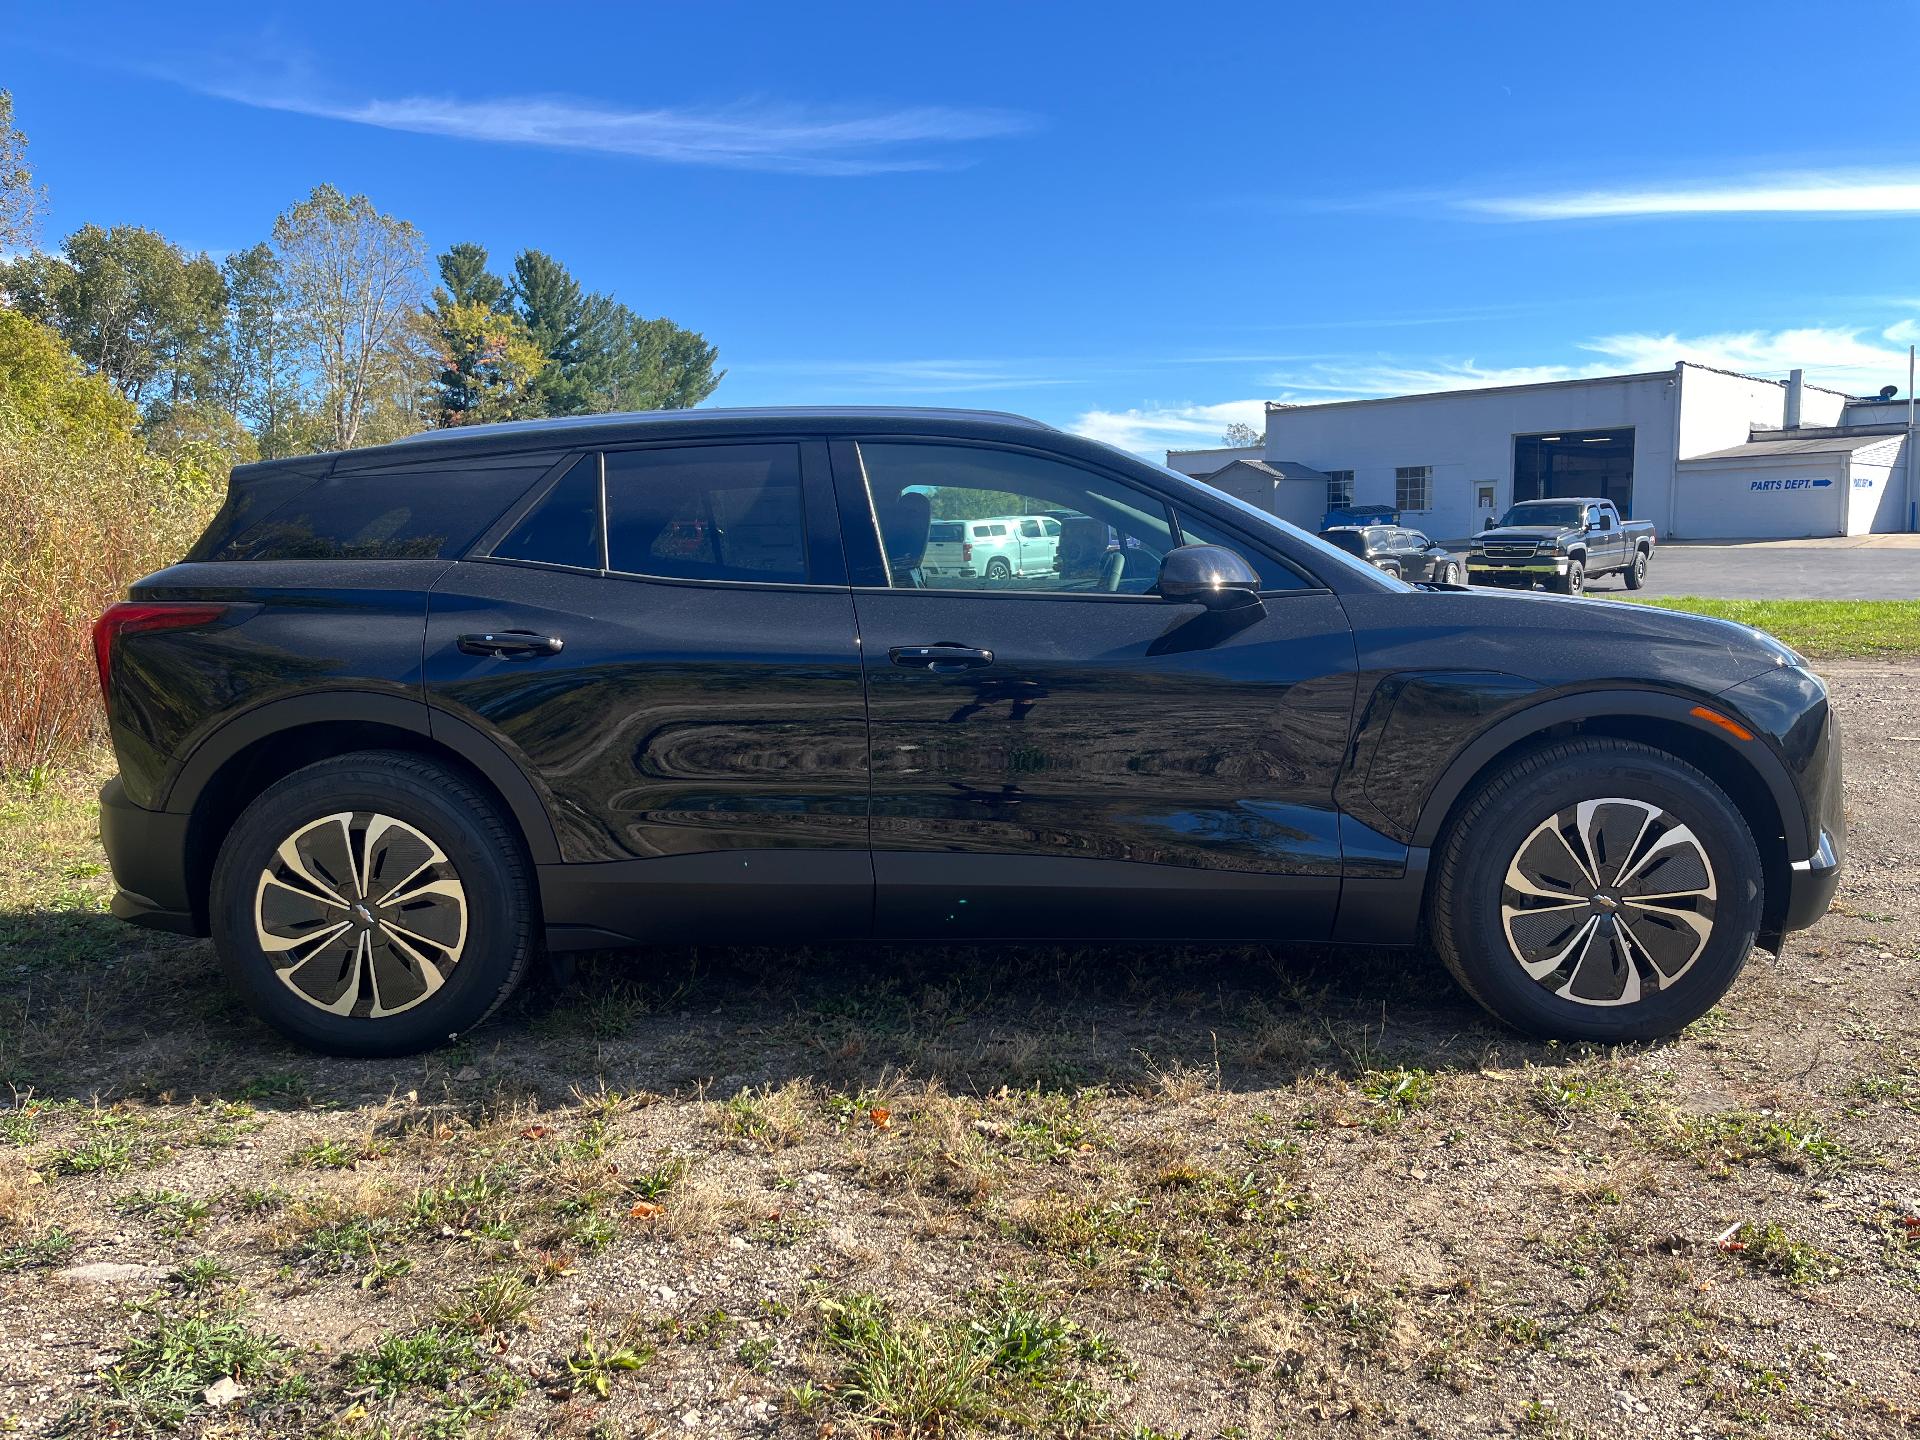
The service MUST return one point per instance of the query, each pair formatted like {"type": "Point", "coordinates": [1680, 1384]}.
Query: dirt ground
{"type": "Point", "coordinates": [1136, 1193]}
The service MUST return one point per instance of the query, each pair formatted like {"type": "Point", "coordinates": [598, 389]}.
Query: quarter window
{"type": "Point", "coordinates": [415, 513]}
{"type": "Point", "coordinates": [1099, 535]}
{"type": "Point", "coordinates": [707, 512]}
{"type": "Point", "coordinates": [1413, 488]}
{"type": "Point", "coordinates": [563, 527]}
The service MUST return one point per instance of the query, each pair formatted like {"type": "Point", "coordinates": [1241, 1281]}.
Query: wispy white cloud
{"type": "Point", "coordinates": [745, 136]}
{"type": "Point", "coordinates": [1845, 192]}
{"type": "Point", "coordinates": [1153, 429]}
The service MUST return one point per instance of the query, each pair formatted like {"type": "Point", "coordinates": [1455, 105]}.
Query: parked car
{"type": "Point", "coordinates": [1001, 547]}
{"type": "Point", "coordinates": [1405, 553]}
{"type": "Point", "coordinates": [1563, 544]}
{"type": "Point", "coordinates": [406, 715]}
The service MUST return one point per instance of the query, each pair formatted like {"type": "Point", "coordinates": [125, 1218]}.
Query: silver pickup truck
{"type": "Point", "coordinates": [1561, 544]}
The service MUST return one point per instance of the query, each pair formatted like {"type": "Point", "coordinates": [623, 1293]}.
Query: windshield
{"type": "Point", "coordinates": [1543, 512]}
{"type": "Point", "coordinates": [1325, 555]}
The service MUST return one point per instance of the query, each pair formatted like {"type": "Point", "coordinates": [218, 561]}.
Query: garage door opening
{"type": "Point", "coordinates": [1575, 462]}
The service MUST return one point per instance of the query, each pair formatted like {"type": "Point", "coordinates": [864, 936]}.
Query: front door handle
{"type": "Point", "coordinates": [511, 644]}
{"type": "Point", "coordinates": [944, 658]}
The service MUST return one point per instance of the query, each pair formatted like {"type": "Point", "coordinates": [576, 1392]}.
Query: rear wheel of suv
{"type": "Point", "coordinates": [372, 904]}
{"type": "Point", "coordinates": [1597, 890]}
{"type": "Point", "coordinates": [999, 570]}
{"type": "Point", "coordinates": [1637, 571]}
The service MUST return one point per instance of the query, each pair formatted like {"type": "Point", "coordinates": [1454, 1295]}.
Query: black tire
{"type": "Point", "coordinates": [1473, 912]}
{"type": "Point", "coordinates": [401, 808]}
{"type": "Point", "coordinates": [1449, 574]}
{"type": "Point", "coordinates": [999, 570]}
{"type": "Point", "coordinates": [1637, 571]}
{"type": "Point", "coordinates": [1574, 582]}
{"type": "Point", "coordinates": [1391, 567]}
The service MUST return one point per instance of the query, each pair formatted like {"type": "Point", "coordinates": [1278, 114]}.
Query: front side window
{"type": "Point", "coordinates": [707, 512]}
{"type": "Point", "coordinates": [1105, 537]}
{"type": "Point", "coordinates": [1195, 530]}
{"type": "Point", "coordinates": [1413, 487]}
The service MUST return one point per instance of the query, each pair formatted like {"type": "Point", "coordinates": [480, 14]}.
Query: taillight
{"type": "Point", "coordinates": [966, 553]}
{"type": "Point", "coordinates": [128, 616]}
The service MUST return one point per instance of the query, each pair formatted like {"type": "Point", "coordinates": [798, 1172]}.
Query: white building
{"type": "Point", "coordinates": [1703, 453]}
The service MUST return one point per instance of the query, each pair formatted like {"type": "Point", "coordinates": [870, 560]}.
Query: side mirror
{"type": "Point", "coordinates": [1488, 523]}
{"type": "Point", "coordinates": [1209, 575]}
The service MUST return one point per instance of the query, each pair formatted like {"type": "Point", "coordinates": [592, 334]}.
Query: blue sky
{"type": "Point", "coordinates": [1135, 220]}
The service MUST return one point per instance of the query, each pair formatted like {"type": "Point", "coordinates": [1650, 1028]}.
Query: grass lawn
{"type": "Point", "coordinates": [1818, 628]}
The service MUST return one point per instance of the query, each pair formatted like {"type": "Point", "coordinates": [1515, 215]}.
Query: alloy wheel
{"type": "Point", "coordinates": [360, 914]}
{"type": "Point", "coordinates": [1608, 900]}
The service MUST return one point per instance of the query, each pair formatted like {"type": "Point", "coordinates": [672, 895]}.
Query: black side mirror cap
{"type": "Point", "coordinates": [1209, 575]}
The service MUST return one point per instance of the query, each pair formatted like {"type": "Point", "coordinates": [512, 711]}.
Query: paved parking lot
{"type": "Point", "coordinates": [1864, 567]}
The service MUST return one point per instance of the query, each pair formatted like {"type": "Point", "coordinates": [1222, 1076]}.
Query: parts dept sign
{"type": "Point", "coordinates": [1784, 485]}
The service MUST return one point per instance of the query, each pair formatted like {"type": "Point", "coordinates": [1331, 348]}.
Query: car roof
{"type": "Point", "coordinates": [469, 443]}
{"type": "Point", "coordinates": [650, 418]}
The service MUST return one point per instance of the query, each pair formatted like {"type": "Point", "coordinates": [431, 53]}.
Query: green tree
{"type": "Point", "coordinates": [21, 201]}
{"type": "Point", "coordinates": [575, 331]}
{"type": "Point", "coordinates": [600, 354]}
{"type": "Point", "coordinates": [44, 388]}
{"type": "Point", "coordinates": [133, 307]}
{"type": "Point", "coordinates": [489, 364]}
{"type": "Point", "coordinates": [258, 377]}
{"type": "Point", "coordinates": [1240, 434]}
{"type": "Point", "coordinates": [466, 280]}
{"type": "Point", "coordinates": [489, 360]}
{"type": "Point", "coordinates": [355, 282]}
{"type": "Point", "coordinates": [656, 365]}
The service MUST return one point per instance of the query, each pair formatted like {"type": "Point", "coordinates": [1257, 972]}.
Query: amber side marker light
{"type": "Point", "coordinates": [1714, 717]}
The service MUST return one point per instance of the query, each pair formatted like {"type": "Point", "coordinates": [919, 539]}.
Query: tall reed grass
{"type": "Point", "coordinates": [80, 519]}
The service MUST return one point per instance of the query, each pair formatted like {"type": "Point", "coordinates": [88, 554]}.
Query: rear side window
{"type": "Point", "coordinates": [707, 512]}
{"type": "Point", "coordinates": [563, 528]}
{"type": "Point", "coordinates": [413, 514]}
{"type": "Point", "coordinates": [1350, 541]}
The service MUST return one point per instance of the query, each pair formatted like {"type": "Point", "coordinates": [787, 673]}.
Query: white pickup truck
{"type": "Point", "coordinates": [997, 547]}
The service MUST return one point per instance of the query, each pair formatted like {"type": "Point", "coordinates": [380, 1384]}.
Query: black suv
{"type": "Point", "coordinates": [405, 715]}
{"type": "Point", "coordinates": [1405, 553]}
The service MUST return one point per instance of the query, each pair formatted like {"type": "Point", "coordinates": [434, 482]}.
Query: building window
{"type": "Point", "coordinates": [1339, 489]}
{"type": "Point", "coordinates": [1413, 488]}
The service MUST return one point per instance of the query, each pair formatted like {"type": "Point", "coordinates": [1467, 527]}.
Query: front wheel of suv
{"type": "Point", "coordinates": [372, 904]}
{"type": "Point", "coordinates": [1597, 889]}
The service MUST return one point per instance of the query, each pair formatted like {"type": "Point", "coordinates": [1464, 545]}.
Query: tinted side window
{"type": "Point", "coordinates": [1196, 530]}
{"type": "Point", "coordinates": [707, 512]}
{"type": "Point", "coordinates": [385, 515]}
{"type": "Point", "coordinates": [564, 527]}
{"type": "Point", "coordinates": [1112, 537]}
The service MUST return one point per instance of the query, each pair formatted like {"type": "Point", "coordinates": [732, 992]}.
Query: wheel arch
{"type": "Point", "coordinates": [1752, 776]}
{"type": "Point", "coordinates": [232, 766]}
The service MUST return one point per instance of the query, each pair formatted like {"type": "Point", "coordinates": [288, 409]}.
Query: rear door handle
{"type": "Point", "coordinates": [511, 644]}
{"type": "Point", "coordinates": [943, 658]}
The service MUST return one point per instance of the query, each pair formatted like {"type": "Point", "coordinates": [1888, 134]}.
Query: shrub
{"type": "Point", "coordinates": [84, 510]}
